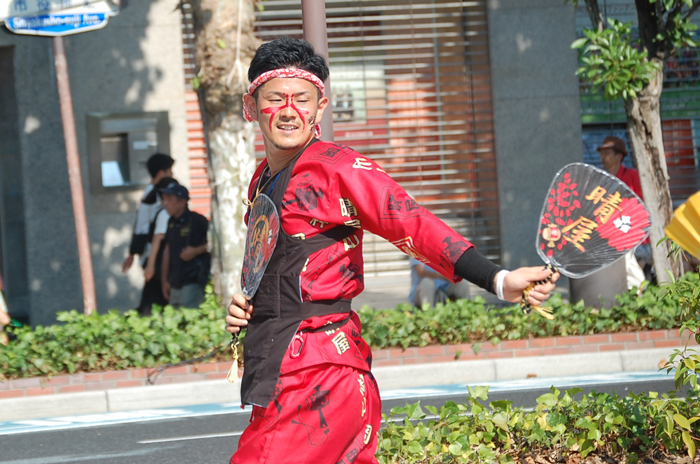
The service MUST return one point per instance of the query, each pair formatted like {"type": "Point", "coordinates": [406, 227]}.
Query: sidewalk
{"type": "Point", "coordinates": [473, 372]}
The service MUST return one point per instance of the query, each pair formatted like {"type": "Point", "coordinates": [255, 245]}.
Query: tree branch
{"type": "Point", "coordinates": [692, 10]}
{"type": "Point", "coordinates": [649, 28]}
{"type": "Point", "coordinates": [595, 14]}
{"type": "Point", "coordinates": [660, 24]}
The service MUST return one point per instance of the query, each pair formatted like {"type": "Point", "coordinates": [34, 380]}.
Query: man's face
{"type": "Point", "coordinates": [287, 109]}
{"type": "Point", "coordinates": [611, 159]}
{"type": "Point", "coordinates": [173, 205]}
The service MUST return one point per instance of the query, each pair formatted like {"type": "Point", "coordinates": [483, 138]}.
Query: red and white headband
{"type": "Point", "coordinates": [283, 73]}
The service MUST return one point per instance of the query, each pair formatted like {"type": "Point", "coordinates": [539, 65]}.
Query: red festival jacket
{"type": "Point", "coordinates": [333, 185]}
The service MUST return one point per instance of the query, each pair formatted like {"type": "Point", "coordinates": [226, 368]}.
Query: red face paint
{"type": "Point", "coordinates": [273, 110]}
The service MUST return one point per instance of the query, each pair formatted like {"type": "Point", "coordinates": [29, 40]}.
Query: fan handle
{"type": "Point", "coordinates": [525, 305]}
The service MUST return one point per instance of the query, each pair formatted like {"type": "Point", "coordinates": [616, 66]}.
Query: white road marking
{"type": "Point", "coordinates": [93, 458]}
{"type": "Point", "coordinates": [114, 418]}
{"type": "Point", "coordinates": [190, 437]}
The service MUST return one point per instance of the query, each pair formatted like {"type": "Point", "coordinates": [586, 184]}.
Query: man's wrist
{"type": "Point", "coordinates": [498, 284]}
{"type": "Point", "coordinates": [477, 269]}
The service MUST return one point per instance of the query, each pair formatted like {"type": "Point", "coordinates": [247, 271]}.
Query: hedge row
{"type": "Point", "coordinates": [126, 340]}
{"type": "Point", "coordinates": [598, 426]}
{"type": "Point", "coordinates": [472, 321]}
{"type": "Point", "coordinates": [114, 341]}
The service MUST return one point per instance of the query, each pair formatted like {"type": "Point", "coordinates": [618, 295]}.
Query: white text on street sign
{"type": "Point", "coordinates": [71, 21]}
{"type": "Point", "coordinates": [19, 8]}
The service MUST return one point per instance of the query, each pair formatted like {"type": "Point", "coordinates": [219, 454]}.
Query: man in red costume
{"type": "Point", "coordinates": [307, 368]}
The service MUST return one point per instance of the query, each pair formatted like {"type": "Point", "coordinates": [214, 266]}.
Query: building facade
{"type": "Point", "coordinates": [472, 106]}
{"type": "Point", "coordinates": [129, 101]}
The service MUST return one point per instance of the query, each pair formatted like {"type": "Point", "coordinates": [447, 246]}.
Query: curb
{"type": "Point", "coordinates": [470, 372]}
{"type": "Point", "coordinates": [119, 400]}
{"type": "Point", "coordinates": [390, 377]}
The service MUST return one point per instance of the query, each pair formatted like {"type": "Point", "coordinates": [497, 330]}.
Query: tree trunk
{"type": "Point", "coordinates": [225, 45]}
{"type": "Point", "coordinates": [231, 143]}
{"type": "Point", "coordinates": [644, 125]}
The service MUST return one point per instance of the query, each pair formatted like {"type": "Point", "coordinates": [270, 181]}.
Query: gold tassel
{"type": "Point", "coordinates": [527, 307]}
{"type": "Point", "coordinates": [232, 375]}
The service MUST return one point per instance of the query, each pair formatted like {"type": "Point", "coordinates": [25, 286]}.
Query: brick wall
{"type": "Point", "coordinates": [532, 347]}
{"type": "Point", "coordinates": [200, 190]}
{"type": "Point", "coordinates": [100, 381]}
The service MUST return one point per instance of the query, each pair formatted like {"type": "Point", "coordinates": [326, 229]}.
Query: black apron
{"type": "Point", "coordinates": [278, 309]}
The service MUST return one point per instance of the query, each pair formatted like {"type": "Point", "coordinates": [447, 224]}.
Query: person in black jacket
{"type": "Point", "coordinates": [186, 262]}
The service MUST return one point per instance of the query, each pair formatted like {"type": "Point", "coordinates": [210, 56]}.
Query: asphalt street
{"type": "Point", "coordinates": [210, 433]}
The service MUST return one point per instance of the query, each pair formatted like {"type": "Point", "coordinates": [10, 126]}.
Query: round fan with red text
{"type": "Point", "coordinates": [590, 219]}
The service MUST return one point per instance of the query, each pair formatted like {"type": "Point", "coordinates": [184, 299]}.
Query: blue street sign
{"type": "Point", "coordinates": [13, 8]}
{"type": "Point", "coordinates": [57, 24]}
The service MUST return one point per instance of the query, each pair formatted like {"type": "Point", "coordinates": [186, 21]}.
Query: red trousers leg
{"type": "Point", "coordinates": [321, 414]}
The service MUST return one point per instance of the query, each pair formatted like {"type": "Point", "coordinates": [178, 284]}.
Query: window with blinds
{"type": "Point", "coordinates": [680, 110]}
{"type": "Point", "coordinates": [411, 90]}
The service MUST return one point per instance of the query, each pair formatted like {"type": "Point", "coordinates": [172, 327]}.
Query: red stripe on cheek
{"type": "Point", "coordinates": [273, 110]}
{"type": "Point", "coordinates": [299, 112]}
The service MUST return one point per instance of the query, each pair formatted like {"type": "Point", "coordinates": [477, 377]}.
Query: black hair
{"type": "Point", "coordinates": [152, 196]}
{"type": "Point", "coordinates": [287, 52]}
{"type": "Point", "coordinates": [158, 162]}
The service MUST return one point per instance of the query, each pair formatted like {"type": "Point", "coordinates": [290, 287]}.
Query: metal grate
{"type": "Point", "coordinates": [411, 89]}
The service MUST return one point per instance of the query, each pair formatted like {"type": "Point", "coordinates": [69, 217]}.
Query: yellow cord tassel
{"type": "Point", "coordinates": [232, 375]}
{"type": "Point", "coordinates": [525, 304]}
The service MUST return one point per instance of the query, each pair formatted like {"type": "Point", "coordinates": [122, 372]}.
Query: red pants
{"type": "Point", "coordinates": [326, 413]}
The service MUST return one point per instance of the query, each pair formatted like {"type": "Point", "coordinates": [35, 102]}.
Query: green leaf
{"type": "Point", "coordinates": [690, 443]}
{"type": "Point", "coordinates": [682, 421]}
{"type": "Point", "coordinates": [548, 399]}
{"type": "Point", "coordinates": [500, 420]}
{"type": "Point", "coordinates": [415, 448]}
{"type": "Point", "coordinates": [220, 43]}
{"type": "Point", "coordinates": [586, 447]}
{"type": "Point", "coordinates": [578, 43]}
{"type": "Point", "coordinates": [479, 392]}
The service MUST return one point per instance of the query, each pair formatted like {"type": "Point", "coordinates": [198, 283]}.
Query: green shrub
{"type": "Point", "coordinates": [472, 321]}
{"type": "Point", "coordinates": [120, 341]}
{"type": "Point", "coordinates": [114, 341]}
{"type": "Point", "coordinates": [618, 429]}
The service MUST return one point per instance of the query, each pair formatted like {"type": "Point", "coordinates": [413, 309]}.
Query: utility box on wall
{"type": "Point", "coordinates": [119, 146]}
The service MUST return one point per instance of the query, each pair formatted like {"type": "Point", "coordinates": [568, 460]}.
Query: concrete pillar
{"type": "Point", "coordinates": [537, 121]}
